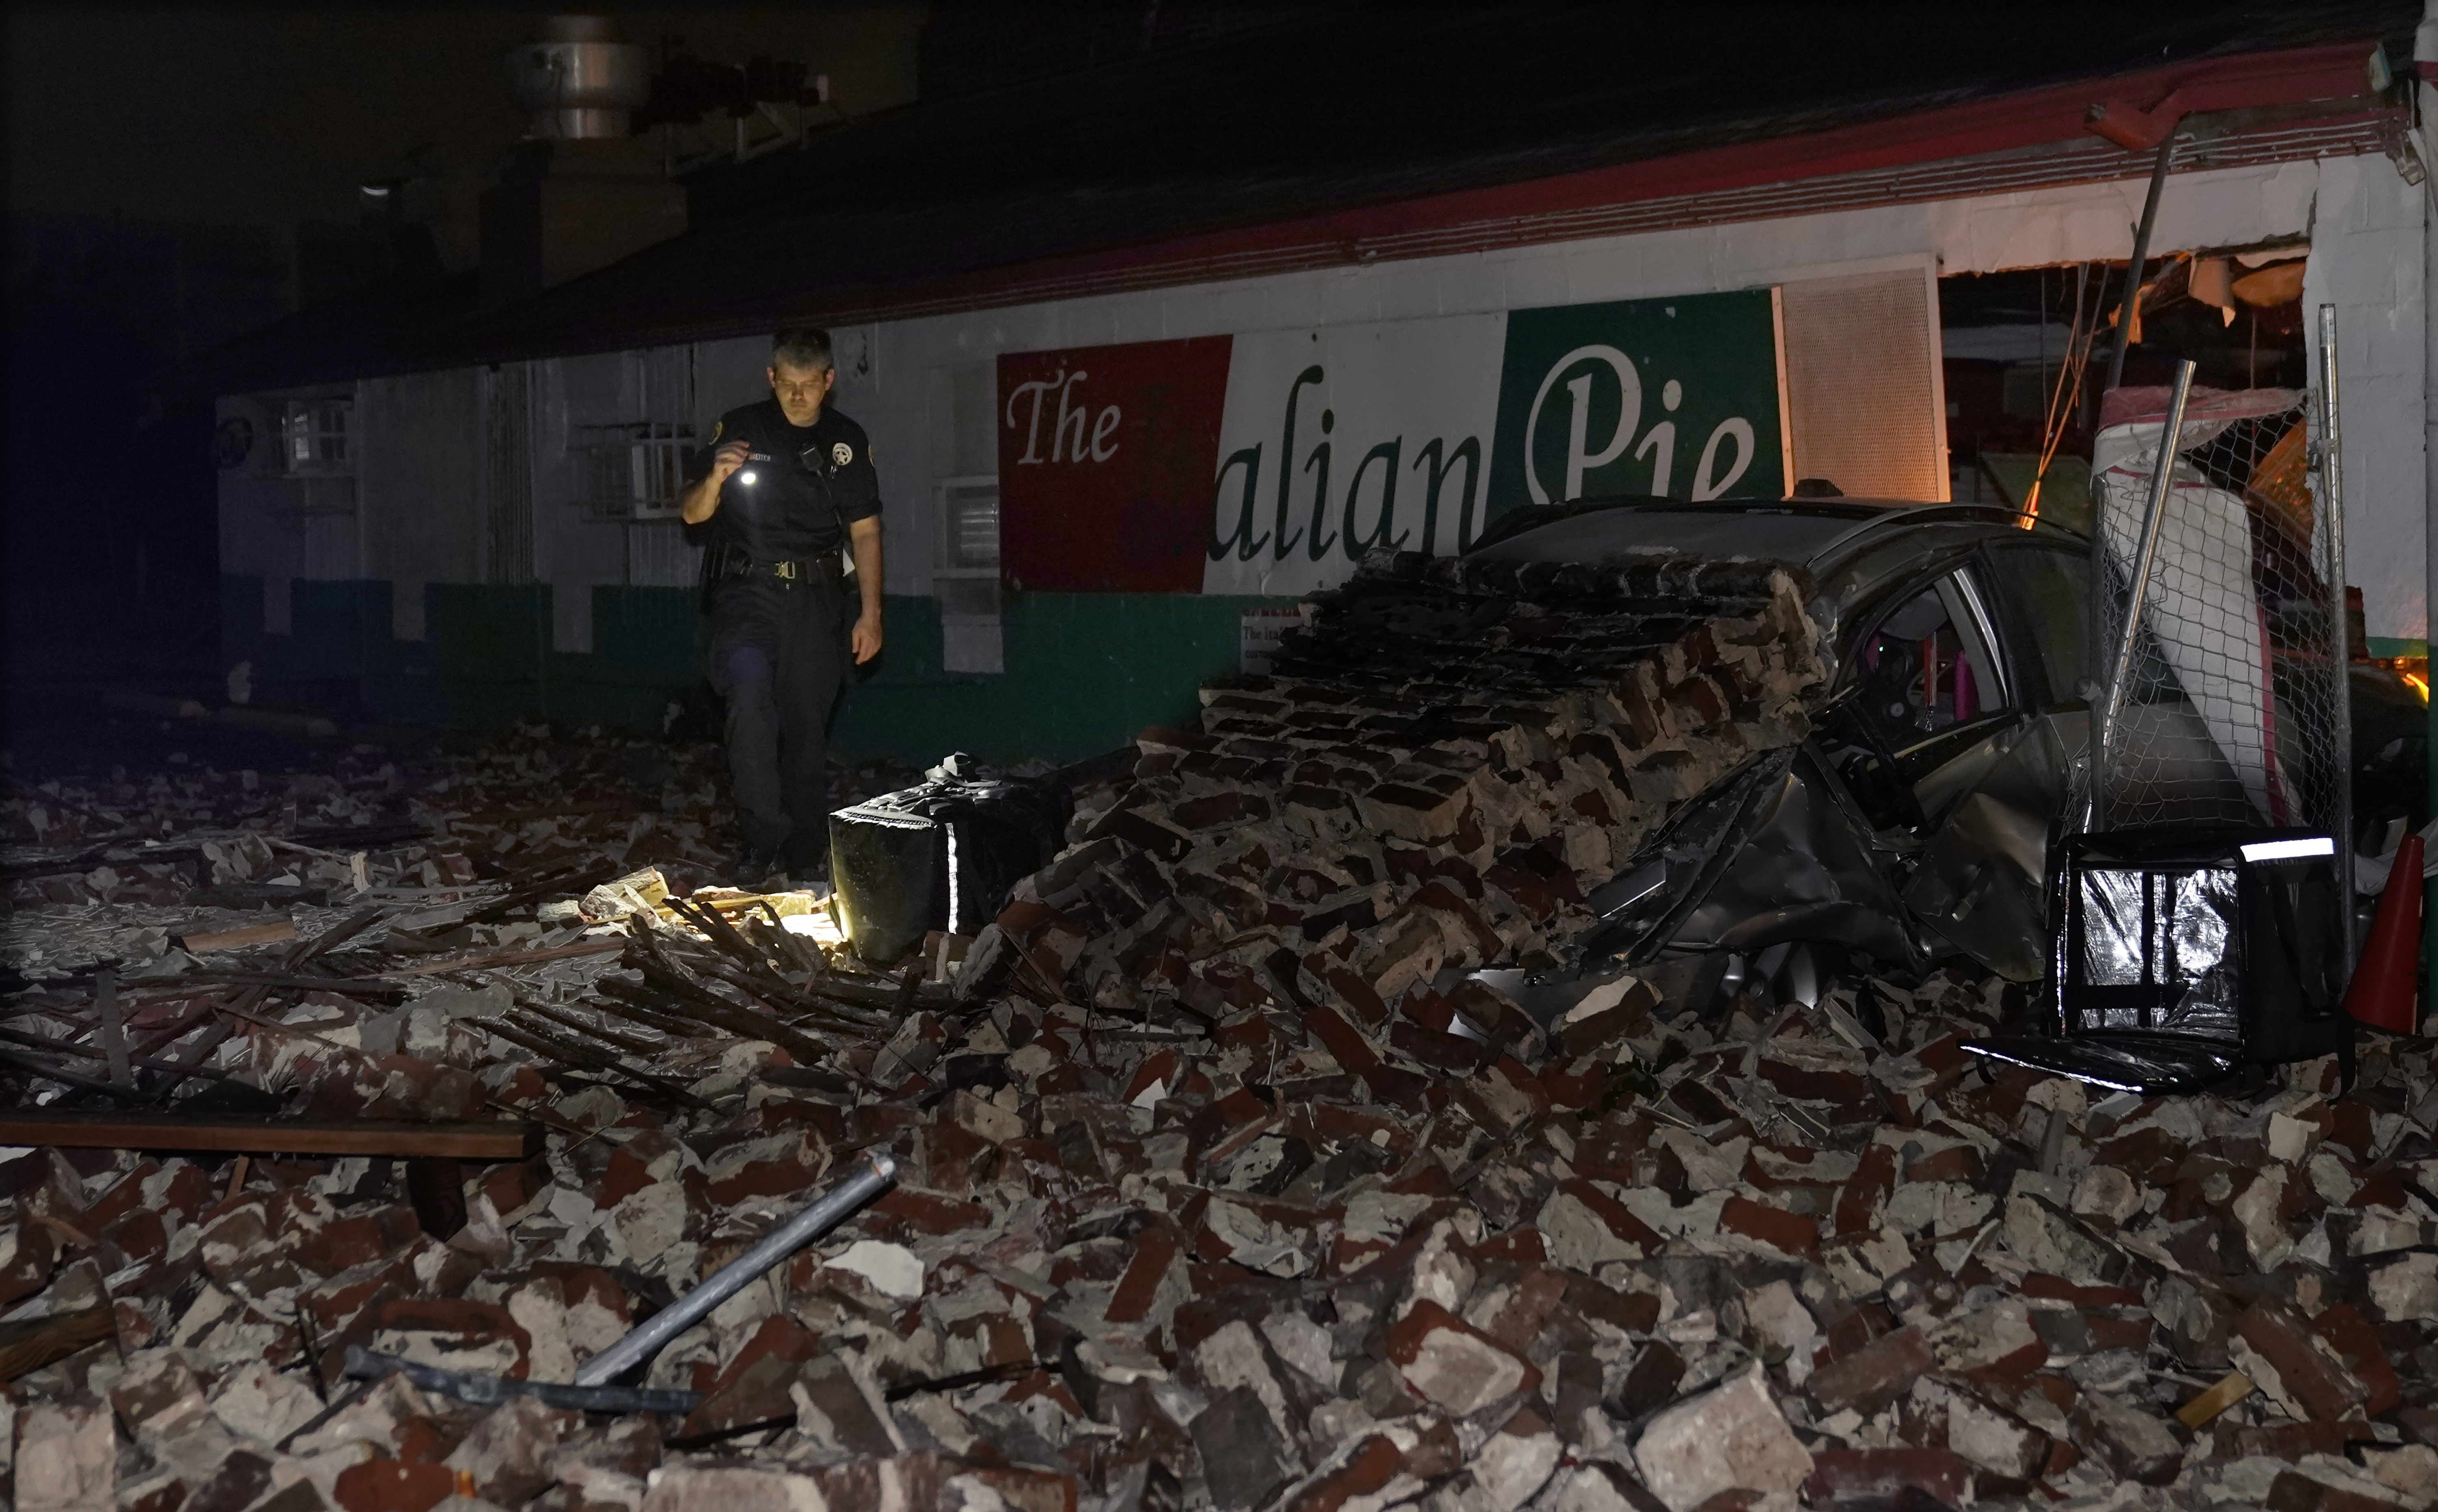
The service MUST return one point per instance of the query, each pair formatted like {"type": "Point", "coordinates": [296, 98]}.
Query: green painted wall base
{"type": "Point", "coordinates": [1085, 670]}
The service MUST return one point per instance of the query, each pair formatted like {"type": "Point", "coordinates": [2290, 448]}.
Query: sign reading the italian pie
{"type": "Point", "coordinates": [1268, 462]}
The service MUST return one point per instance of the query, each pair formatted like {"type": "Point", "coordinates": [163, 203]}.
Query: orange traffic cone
{"type": "Point", "coordinates": [2386, 979]}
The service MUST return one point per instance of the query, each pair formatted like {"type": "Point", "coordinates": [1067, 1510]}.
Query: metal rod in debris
{"type": "Point", "coordinates": [878, 1173]}
{"type": "Point", "coordinates": [2161, 476]}
{"type": "Point", "coordinates": [2128, 312]}
{"type": "Point", "coordinates": [2341, 626]}
{"type": "Point", "coordinates": [490, 1391]}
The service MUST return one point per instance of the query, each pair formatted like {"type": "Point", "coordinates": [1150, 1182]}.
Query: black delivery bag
{"type": "Point", "coordinates": [2180, 953]}
{"type": "Point", "coordinates": [942, 854]}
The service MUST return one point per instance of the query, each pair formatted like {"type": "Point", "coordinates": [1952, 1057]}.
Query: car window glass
{"type": "Point", "coordinates": [2052, 591]}
{"type": "Point", "coordinates": [1925, 668]}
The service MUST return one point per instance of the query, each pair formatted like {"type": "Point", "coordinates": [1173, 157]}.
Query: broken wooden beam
{"type": "Point", "coordinates": [33, 1066]}
{"type": "Point", "coordinates": [491, 1140]}
{"type": "Point", "coordinates": [508, 957]}
{"type": "Point", "coordinates": [110, 1029]}
{"type": "Point", "coordinates": [276, 932]}
{"type": "Point", "coordinates": [147, 1063]}
{"type": "Point", "coordinates": [584, 1058]}
{"type": "Point", "coordinates": [29, 1344]}
{"type": "Point", "coordinates": [362, 987]}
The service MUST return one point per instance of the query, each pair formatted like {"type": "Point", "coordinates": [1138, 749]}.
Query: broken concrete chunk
{"type": "Point", "coordinates": [2127, 1438]}
{"type": "Point", "coordinates": [507, 1452]}
{"type": "Point", "coordinates": [1243, 1457]}
{"type": "Point", "coordinates": [892, 1268]}
{"type": "Point", "coordinates": [1453, 1365]}
{"type": "Point", "coordinates": [66, 1459]}
{"type": "Point", "coordinates": [726, 1488]}
{"type": "Point", "coordinates": [1515, 1462]}
{"type": "Point", "coordinates": [1729, 1438]}
{"type": "Point", "coordinates": [837, 1407]}
{"type": "Point", "coordinates": [1874, 1374]}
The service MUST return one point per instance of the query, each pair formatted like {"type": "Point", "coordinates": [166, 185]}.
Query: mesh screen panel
{"type": "Point", "coordinates": [2232, 709]}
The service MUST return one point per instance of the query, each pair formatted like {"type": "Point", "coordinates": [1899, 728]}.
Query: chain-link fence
{"type": "Point", "coordinates": [2233, 705]}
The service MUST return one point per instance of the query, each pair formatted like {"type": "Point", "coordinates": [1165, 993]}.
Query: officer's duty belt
{"type": "Point", "coordinates": [735, 561]}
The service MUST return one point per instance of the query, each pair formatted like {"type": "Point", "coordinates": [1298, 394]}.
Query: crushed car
{"type": "Point", "coordinates": [1916, 824]}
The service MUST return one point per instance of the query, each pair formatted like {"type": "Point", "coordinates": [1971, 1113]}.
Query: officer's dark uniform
{"type": "Point", "coordinates": [781, 614]}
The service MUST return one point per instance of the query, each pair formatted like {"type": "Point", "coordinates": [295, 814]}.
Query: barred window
{"type": "Point", "coordinates": [313, 437]}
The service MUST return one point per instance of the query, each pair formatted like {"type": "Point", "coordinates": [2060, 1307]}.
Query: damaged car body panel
{"type": "Point", "coordinates": [1913, 823]}
{"type": "Point", "coordinates": [1916, 820]}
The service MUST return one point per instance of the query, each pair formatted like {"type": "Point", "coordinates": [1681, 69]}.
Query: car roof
{"type": "Point", "coordinates": [1798, 532]}
{"type": "Point", "coordinates": [1846, 546]}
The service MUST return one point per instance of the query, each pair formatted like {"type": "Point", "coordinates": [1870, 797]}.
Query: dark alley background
{"type": "Point", "coordinates": [180, 175]}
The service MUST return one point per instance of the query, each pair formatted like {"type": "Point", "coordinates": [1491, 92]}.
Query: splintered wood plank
{"type": "Point", "coordinates": [508, 957]}
{"type": "Point", "coordinates": [33, 1342]}
{"type": "Point", "coordinates": [110, 1029]}
{"type": "Point", "coordinates": [270, 934]}
{"type": "Point", "coordinates": [486, 1140]}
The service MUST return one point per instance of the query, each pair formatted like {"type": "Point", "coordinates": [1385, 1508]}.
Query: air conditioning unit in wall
{"type": "Point", "coordinates": [633, 469]}
{"type": "Point", "coordinates": [966, 580]}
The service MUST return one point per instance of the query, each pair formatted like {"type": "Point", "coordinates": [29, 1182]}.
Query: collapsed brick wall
{"type": "Point", "coordinates": [1443, 767]}
{"type": "Point", "coordinates": [1279, 1258]}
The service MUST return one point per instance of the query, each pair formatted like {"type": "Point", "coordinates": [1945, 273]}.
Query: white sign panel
{"type": "Point", "coordinates": [1337, 439]}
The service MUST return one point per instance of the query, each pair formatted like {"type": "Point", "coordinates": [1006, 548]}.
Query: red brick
{"type": "Point", "coordinates": [1790, 1233]}
{"type": "Point", "coordinates": [1873, 1376]}
{"type": "Point", "coordinates": [2327, 1389]}
{"type": "Point", "coordinates": [394, 1485]}
{"type": "Point", "coordinates": [1883, 1476]}
{"type": "Point", "coordinates": [1155, 1250]}
{"type": "Point", "coordinates": [2357, 1340]}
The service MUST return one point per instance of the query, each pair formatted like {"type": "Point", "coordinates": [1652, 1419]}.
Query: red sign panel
{"type": "Point", "coordinates": [1105, 461]}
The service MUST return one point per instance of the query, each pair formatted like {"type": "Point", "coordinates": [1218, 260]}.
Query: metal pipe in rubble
{"type": "Point", "coordinates": [2161, 476]}
{"type": "Point", "coordinates": [2128, 311]}
{"type": "Point", "coordinates": [877, 1174]}
{"type": "Point", "coordinates": [2341, 631]}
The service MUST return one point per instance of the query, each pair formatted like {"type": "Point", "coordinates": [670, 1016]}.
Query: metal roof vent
{"type": "Point", "coordinates": [579, 82]}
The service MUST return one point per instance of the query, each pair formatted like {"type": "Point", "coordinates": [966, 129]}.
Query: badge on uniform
{"type": "Point", "coordinates": [842, 453]}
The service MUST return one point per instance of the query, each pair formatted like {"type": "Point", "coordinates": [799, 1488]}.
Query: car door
{"type": "Point", "coordinates": [1991, 780]}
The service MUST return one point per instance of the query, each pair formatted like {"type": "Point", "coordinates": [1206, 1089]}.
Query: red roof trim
{"type": "Point", "coordinates": [1944, 152]}
{"type": "Point", "coordinates": [2030, 140]}
{"type": "Point", "coordinates": [2035, 118]}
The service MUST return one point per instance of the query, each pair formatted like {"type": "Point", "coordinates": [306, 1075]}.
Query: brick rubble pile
{"type": "Point", "coordinates": [1223, 1185]}
{"type": "Point", "coordinates": [1449, 762]}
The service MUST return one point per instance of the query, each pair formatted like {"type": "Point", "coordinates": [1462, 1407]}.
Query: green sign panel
{"type": "Point", "coordinates": [1676, 397]}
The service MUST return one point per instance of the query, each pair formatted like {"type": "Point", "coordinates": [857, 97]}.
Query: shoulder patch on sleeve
{"type": "Point", "coordinates": [717, 427]}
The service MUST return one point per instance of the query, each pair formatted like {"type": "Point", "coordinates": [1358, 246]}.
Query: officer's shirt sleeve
{"type": "Point", "coordinates": [858, 484]}
{"type": "Point", "coordinates": [697, 466]}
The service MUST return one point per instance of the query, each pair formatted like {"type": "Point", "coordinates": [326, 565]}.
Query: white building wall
{"type": "Point", "coordinates": [1970, 235]}
{"type": "Point", "coordinates": [281, 527]}
{"type": "Point", "coordinates": [419, 486]}
{"type": "Point", "coordinates": [2366, 259]}
{"type": "Point", "coordinates": [2363, 220]}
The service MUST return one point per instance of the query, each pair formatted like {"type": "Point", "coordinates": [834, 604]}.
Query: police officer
{"type": "Point", "coordinates": [781, 486]}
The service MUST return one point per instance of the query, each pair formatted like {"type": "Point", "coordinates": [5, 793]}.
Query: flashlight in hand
{"type": "Point", "coordinates": [746, 477]}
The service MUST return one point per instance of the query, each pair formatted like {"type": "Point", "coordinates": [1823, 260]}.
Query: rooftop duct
{"type": "Point", "coordinates": [579, 82]}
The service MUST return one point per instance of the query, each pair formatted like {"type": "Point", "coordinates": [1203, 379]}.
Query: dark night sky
{"type": "Point", "coordinates": [269, 114]}
{"type": "Point", "coordinates": [159, 159]}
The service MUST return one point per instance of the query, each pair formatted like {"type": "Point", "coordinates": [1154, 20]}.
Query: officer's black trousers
{"type": "Point", "coordinates": [779, 656]}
